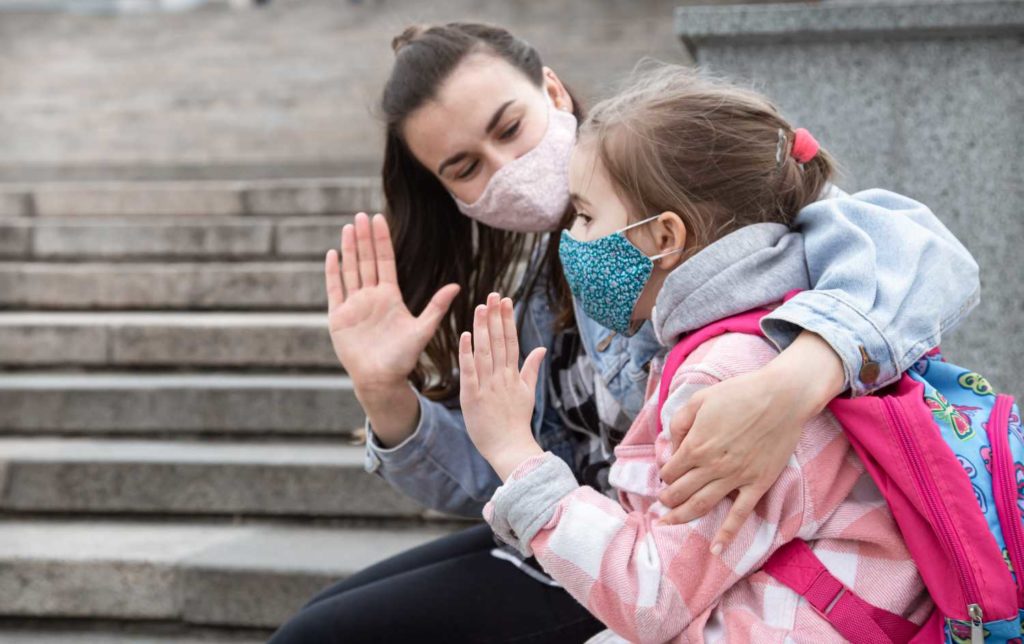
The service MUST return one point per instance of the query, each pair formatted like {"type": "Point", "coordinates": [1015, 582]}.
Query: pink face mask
{"type": "Point", "coordinates": [531, 193]}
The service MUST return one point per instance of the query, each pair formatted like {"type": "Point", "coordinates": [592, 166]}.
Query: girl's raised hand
{"type": "Point", "coordinates": [375, 337]}
{"type": "Point", "coordinates": [497, 397]}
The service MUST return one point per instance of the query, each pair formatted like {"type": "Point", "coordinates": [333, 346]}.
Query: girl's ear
{"type": "Point", "coordinates": [670, 235]}
{"type": "Point", "coordinates": [556, 91]}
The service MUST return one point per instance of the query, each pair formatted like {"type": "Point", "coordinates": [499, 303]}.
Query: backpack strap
{"type": "Point", "coordinates": [797, 567]}
{"type": "Point", "coordinates": [749, 323]}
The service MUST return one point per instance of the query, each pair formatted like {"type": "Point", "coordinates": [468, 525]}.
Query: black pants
{"type": "Point", "coordinates": [449, 590]}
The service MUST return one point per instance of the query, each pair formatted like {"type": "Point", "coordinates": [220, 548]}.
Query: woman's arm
{"type": "Point", "coordinates": [419, 446]}
{"type": "Point", "coordinates": [437, 465]}
{"type": "Point", "coordinates": [889, 279]}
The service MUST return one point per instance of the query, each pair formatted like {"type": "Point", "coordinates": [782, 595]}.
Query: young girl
{"type": "Point", "coordinates": [685, 190]}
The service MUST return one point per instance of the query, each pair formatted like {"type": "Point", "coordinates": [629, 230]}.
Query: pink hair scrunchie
{"type": "Point", "coordinates": [805, 147]}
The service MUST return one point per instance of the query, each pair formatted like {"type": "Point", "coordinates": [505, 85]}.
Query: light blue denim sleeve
{"type": "Point", "coordinates": [888, 279]}
{"type": "Point", "coordinates": [437, 466]}
{"type": "Point", "coordinates": [622, 362]}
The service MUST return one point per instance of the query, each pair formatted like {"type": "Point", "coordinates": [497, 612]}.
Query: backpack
{"type": "Point", "coordinates": [946, 451]}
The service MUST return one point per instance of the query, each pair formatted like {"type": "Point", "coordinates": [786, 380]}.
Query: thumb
{"type": "Point", "coordinates": [532, 365]}
{"type": "Point", "coordinates": [682, 421]}
{"type": "Point", "coordinates": [436, 308]}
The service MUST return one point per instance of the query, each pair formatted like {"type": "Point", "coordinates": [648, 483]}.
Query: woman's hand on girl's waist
{"type": "Point", "coordinates": [735, 437]}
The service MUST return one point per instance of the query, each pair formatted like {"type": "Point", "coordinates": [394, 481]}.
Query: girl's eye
{"type": "Point", "coordinates": [468, 171]}
{"type": "Point", "coordinates": [510, 132]}
{"type": "Point", "coordinates": [585, 218]}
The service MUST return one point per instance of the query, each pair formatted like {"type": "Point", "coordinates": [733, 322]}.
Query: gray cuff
{"type": "Point", "coordinates": [523, 506]}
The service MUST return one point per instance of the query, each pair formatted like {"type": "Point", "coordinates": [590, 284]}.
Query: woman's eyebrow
{"type": "Point", "coordinates": [450, 161]}
{"type": "Point", "coordinates": [490, 126]}
{"type": "Point", "coordinates": [497, 116]}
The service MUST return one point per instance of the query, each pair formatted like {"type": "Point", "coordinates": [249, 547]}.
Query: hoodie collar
{"type": "Point", "coordinates": [752, 267]}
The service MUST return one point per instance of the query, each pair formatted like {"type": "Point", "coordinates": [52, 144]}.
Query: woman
{"type": "Point", "coordinates": [478, 138]}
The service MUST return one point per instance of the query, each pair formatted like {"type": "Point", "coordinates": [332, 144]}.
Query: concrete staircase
{"type": "Point", "coordinates": [179, 449]}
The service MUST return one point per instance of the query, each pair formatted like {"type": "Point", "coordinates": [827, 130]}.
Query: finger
{"type": "Point", "coordinates": [367, 258]}
{"type": "Point", "coordinates": [386, 271]}
{"type": "Point", "coordinates": [467, 369]}
{"type": "Point", "coordinates": [481, 343]}
{"type": "Point", "coordinates": [508, 323]}
{"type": "Point", "coordinates": [349, 260]}
{"type": "Point", "coordinates": [677, 465]}
{"type": "Point", "coordinates": [680, 490]}
{"type": "Point", "coordinates": [700, 503]}
{"type": "Point", "coordinates": [435, 309]}
{"type": "Point", "coordinates": [332, 278]}
{"type": "Point", "coordinates": [683, 419]}
{"type": "Point", "coordinates": [531, 366]}
{"type": "Point", "coordinates": [741, 509]}
{"type": "Point", "coordinates": [495, 330]}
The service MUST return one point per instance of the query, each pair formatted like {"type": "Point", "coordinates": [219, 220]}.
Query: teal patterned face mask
{"type": "Point", "coordinates": [607, 275]}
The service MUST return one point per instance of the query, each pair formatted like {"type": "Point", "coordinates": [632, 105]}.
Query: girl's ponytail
{"type": "Point", "coordinates": [718, 155]}
{"type": "Point", "coordinates": [801, 184]}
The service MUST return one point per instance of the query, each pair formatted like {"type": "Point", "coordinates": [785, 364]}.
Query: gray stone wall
{"type": "Point", "coordinates": [283, 90]}
{"type": "Point", "coordinates": [925, 98]}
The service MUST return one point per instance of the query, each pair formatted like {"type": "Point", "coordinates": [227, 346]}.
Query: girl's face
{"type": "Point", "coordinates": [486, 114]}
{"type": "Point", "coordinates": [600, 211]}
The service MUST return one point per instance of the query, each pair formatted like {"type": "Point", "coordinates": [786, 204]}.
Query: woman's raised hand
{"type": "Point", "coordinates": [376, 338]}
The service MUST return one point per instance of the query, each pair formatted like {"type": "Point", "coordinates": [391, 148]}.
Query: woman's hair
{"type": "Point", "coordinates": [435, 244]}
{"type": "Point", "coordinates": [716, 154]}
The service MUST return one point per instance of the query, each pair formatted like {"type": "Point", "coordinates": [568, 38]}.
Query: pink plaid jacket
{"type": "Point", "coordinates": [658, 583]}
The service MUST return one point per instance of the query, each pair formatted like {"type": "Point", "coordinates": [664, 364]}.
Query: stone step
{"type": "Point", "coordinates": [41, 632]}
{"type": "Point", "coordinates": [198, 573]}
{"type": "Point", "coordinates": [69, 475]}
{"type": "Point", "coordinates": [66, 239]}
{"type": "Point", "coordinates": [313, 196]}
{"type": "Point", "coordinates": [171, 404]}
{"type": "Point", "coordinates": [136, 339]}
{"type": "Point", "coordinates": [208, 285]}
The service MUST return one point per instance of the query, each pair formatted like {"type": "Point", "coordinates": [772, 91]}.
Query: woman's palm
{"type": "Point", "coordinates": [375, 336]}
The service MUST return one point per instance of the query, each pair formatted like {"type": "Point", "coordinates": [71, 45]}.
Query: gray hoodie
{"type": "Point", "coordinates": [752, 267]}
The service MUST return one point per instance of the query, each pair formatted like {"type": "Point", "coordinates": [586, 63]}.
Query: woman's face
{"type": "Point", "coordinates": [486, 114]}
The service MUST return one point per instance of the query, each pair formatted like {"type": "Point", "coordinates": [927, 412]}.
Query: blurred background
{"type": "Point", "coordinates": [179, 449]}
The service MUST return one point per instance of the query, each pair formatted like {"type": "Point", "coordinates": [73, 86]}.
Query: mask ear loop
{"type": "Point", "coordinates": [641, 223]}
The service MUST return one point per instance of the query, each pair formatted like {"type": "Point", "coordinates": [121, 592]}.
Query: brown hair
{"type": "Point", "coordinates": [678, 140]}
{"type": "Point", "coordinates": [435, 244]}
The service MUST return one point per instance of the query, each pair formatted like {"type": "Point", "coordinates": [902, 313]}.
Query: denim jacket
{"type": "Point", "coordinates": [888, 279]}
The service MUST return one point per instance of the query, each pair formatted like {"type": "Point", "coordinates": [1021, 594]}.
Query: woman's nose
{"type": "Point", "coordinates": [496, 156]}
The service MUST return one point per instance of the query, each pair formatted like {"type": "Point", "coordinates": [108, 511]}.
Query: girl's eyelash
{"type": "Point", "coordinates": [582, 215]}
{"type": "Point", "coordinates": [510, 131]}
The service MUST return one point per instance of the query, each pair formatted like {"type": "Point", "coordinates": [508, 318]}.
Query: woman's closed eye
{"type": "Point", "coordinates": [467, 171]}
{"type": "Point", "coordinates": [510, 131]}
